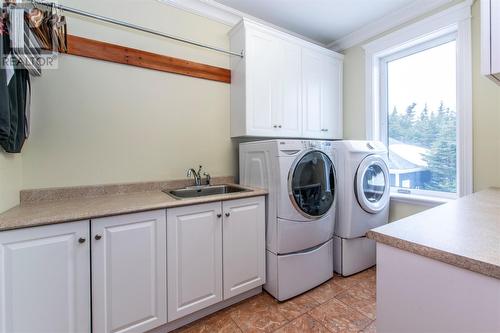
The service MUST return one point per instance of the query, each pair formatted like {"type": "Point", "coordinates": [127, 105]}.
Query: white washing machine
{"type": "Point", "coordinates": [301, 180]}
{"type": "Point", "coordinates": [363, 202]}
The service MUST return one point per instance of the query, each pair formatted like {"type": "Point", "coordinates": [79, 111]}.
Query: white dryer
{"type": "Point", "coordinates": [363, 202]}
{"type": "Point", "coordinates": [300, 177]}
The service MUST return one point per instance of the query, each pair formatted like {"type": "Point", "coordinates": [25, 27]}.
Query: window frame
{"type": "Point", "coordinates": [447, 25]}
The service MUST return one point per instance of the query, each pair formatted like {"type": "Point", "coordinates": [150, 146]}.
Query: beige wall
{"type": "Point", "coordinates": [10, 180]}
{"type": "Point", "coordinates": [96, 122]}
{"type": "Point", "coordinates": [486, 116]}
{"type": "Point", "coordinates": [399, 210]}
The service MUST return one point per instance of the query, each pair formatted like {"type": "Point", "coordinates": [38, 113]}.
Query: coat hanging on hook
{"type": "Point", "coordinates": [26, 32]}
{"type": "Point", "coordinates": [14, 97]}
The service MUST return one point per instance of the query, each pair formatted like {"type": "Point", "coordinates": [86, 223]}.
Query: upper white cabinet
{"type": "Point", "coordinates": [283, 86]}
{"type": "Point", "coordinates": [273, 78]}
{"type": "Point", "coordinates": [129, 274]}
{"type": "Point", "coordinates": [45, 279]}
{"type": "Point", "coordinates": [321, 96]}
{"type": "Point", "coordinates": [490, 39]}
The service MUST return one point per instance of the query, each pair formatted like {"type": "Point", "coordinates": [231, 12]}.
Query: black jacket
{"type": "Point", "coordinates": [13, 96]}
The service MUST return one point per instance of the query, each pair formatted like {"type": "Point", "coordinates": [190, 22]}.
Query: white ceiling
{"type": "Point", "coordinates": [321, 20]}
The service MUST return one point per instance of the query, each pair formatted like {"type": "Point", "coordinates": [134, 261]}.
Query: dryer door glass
{"type": "Point", "coordinates": [372, 184]}
{"type": "Point", "coordinates": [312, 184]}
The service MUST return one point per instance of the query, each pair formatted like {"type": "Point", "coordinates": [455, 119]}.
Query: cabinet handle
{"type": "Point", "coordinates": [81, 240]}
{"type": "Point", "coordinates": [279, 126]}
{"type": "Point", "coordinates": [275, 126]}
{"type": "Point", "coordinates": [324, 130]}
{"type": "Point", "coordinates": [97, 237]}
{"type": "Point", "coordinates": [219, 215]}
{"type": "Point", "coordinates": [228, 214]}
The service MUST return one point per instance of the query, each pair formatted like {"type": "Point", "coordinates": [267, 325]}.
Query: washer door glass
{"type": "Point", "coordinates": [312, 184]}
{"type": "Point", "coordinates": [372, 188]}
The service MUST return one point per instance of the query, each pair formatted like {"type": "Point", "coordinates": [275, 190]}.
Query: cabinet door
{"type": "Point", "coordinates": [263, 91]}
{"type": "Point", "coordinates": [289, 116]}
{"type": "Point", "coordinates": [332, 120]}
{"type": "Point", "coordinates": [274, 85]}
{"type": "Point", "coordinates": [194, 258]}
{"type": "Point", "coordinates": [321, 93]}
{"type": "Point", "coordinates": [244, 245]}
{"type": "Point", "coordinates": [495, 37]}
{"type": "Point", "coordinates": [313, 91]}
{"type": "Point", "coordinates": [45, 279]}
{"type": "Point", "coordinates": [129, 272]}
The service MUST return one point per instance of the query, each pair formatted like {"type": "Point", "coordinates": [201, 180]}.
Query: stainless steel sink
{"type": "Point", "coordinates": [202, 191]}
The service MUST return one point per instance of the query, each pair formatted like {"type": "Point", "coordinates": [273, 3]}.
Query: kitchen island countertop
{"type": "Point", "coordinates": [464, 233]}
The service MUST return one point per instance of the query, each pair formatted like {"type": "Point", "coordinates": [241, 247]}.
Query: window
{"type": "Point", "coordinates": [419, 103]}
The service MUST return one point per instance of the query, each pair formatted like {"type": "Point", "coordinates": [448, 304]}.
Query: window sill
{"type": "Point", "coordinates": [422, 200]}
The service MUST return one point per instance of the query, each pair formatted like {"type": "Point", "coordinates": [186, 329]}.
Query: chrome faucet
{"type": "Point", "coordinates": [196, 175]}
{"type": "Point", "coordinates": [209, 178]}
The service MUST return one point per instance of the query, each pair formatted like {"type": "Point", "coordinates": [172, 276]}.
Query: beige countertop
{"type": "Point", "coordinates": [85, 203]}
{"type": "Point", "coordinates": [464, 233]}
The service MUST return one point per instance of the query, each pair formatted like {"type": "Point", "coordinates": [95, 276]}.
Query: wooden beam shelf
{"type": "Point", "coordinates": [90, 48]}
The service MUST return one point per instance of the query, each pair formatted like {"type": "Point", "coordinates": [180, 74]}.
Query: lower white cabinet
{"type": "Point", "coordinates": [215, 251]}
{"type": "Point", "coordinates": [194, 236]}
{"type": "Point", "coordinates": [53, 279]}
{"type": "Point", "coordinates": [45, 279]}
{"type": "Point", "coordinates": [129, 272]}
{"type": "Point", "coordinates": [244, 245]}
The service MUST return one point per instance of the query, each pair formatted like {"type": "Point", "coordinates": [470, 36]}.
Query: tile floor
{"type": "Point", "coordinates": [338, 305]}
